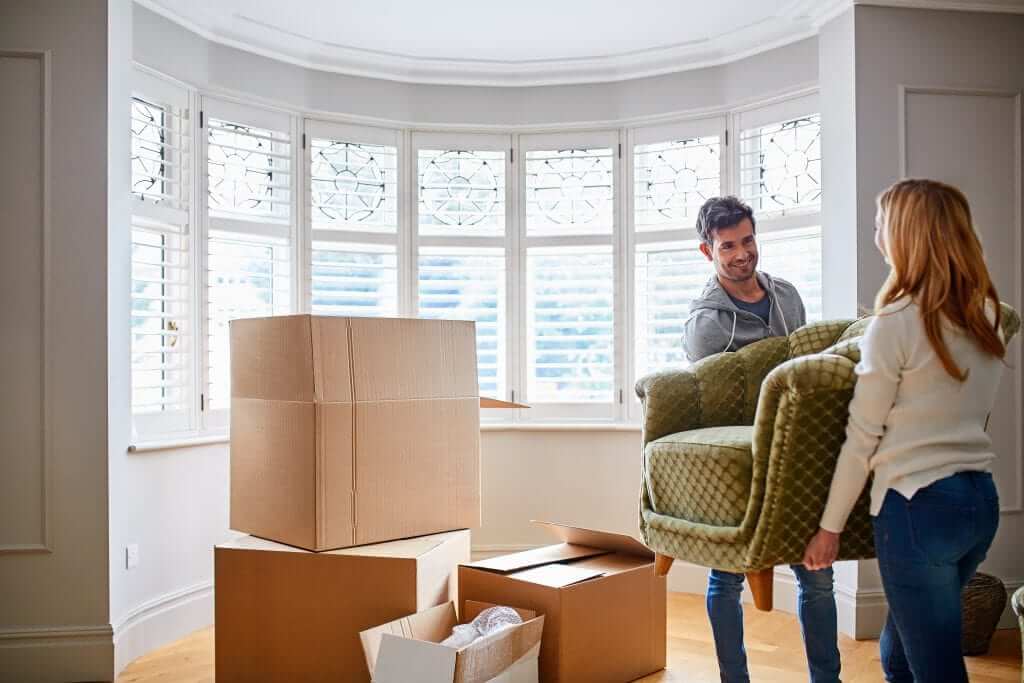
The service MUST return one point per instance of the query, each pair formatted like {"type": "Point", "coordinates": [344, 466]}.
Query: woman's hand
{"type": "Point", "coordinates": [822, 551]}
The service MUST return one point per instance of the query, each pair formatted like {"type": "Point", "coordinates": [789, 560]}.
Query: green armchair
{"type": "Point", "coordinates": [739, 451]}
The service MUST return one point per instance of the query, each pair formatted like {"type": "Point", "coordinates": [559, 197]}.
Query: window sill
{"type": "Point", "coordinates": [188, 442]}
{"type": "Point", "coordinates": [183, 442]}
{"type": "Point", "coordinates": [562, 427]}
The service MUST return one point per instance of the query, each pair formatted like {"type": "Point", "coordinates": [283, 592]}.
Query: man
{"type": "Point", "coordinates": [739, 306]}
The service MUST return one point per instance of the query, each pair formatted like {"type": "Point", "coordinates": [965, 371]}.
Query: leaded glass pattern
{"type": "Point", "coordinates": [673, 179]}
{"type": "Point", "coordinates": [780, 165]}
{"type": "Point", "coordinates": [353, 186]}
{"type": "Point", "coordinates": [570, 192]}
{"type": "Point", "coordinates": [249, 173]}
{"type": "Point", "coordinates": [160, 168]}
{"type": "Point", "coordinates": [461, 192]}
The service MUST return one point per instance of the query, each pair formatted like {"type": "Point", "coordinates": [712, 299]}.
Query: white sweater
{"type": "Point", "coordinates": [911, 423]}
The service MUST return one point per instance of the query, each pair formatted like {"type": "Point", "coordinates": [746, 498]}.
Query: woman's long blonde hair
{"type": "Point", "coordinates": [937, 261]}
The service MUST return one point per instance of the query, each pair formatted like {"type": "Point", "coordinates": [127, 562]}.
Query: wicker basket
{"type": "Point", "coordinates": [983, 600]}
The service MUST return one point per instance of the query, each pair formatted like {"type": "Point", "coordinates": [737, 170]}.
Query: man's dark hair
{"type": "Point", "coordinates": [721, 212]}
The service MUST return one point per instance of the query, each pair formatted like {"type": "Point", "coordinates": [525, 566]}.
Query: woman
{"type": "Point", "coordinates": [931, 359]}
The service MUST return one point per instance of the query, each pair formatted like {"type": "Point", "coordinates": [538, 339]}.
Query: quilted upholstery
{"type": "Point", "coordinates": [739, 449]}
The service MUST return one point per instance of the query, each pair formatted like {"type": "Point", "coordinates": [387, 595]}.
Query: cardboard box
{"type": "Point", "coordinates": [346, 431]}
{"type": "Point", "coordinates": [409, 649]}
{"type": "Point", "coordinates": [603, 606]}
{"type": "Point", "coordinates": [284, 614]}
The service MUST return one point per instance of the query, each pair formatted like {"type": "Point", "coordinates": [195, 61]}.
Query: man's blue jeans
{"type": "Point", "coordinates": [816, 608]}
{"type": "Point", "coordinates": [928, 549]}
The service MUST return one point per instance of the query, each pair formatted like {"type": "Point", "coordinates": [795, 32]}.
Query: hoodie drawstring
{"type": "Point", "coordinates": [733, 335]}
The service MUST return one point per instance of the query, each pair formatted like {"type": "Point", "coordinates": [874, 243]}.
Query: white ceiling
{"type": "Point", "coordinates": [524, 42]}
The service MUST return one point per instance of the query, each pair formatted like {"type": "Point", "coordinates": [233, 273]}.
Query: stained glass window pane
{"type": "Point", "coordinates": [569, 192]}
{"type": "Point", "coordinates": [354, 186]}
{"type": "Point", "coordinates": [780, 165]}
{"type": "Point", "coordinates": [160, 154]}
{"type": "Point", "coordinates": [673, 179]}
{"type": "Point", "coordinates": [249, 172]}
{"type": "Point", "coordinates": [461, 192]}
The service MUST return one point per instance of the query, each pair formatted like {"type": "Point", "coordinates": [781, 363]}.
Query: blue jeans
{"type": "Point", "coordinates": [928, 548]}
{"type": "Point", "coordinates": [816, 608]}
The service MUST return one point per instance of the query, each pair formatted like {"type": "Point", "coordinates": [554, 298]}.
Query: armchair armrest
{"type": "Point", "coordinates": [671, 402]}
{"type": "Point", "coordinates": [799, 429]}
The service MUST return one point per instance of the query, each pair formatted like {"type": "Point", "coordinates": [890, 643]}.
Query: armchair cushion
{"type": "Point", "coordinates": [718, 457]}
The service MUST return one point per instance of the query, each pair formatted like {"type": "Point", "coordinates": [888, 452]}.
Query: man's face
{"type": "Point", "coordinates": [733, 251]}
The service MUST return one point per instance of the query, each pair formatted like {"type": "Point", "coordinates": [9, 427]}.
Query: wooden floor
{"type": "Point", "coordinates": [774, 650]}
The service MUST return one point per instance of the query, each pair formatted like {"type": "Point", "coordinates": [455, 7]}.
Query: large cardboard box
{"type": "Point", "coordinates": [347, 431]}
{"type": "Point", "coordinates": [604, 608]}
{"type": "Point", "coordinates": [409, 649]}
{"type": "Point", "coordinates": [285, 614]}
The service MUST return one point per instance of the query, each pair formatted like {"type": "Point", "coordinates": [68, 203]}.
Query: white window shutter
{"type": "Point", "coordinates": [162, 338]}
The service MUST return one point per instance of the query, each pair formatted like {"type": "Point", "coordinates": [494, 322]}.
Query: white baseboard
{"type": "Point", "coordinates": [872, 610]}
{"type": "Point", "coordinates": [160, 621]}
{"type": "Point", "coordinates": [57, 654]}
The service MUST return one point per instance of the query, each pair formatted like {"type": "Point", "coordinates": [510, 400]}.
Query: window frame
{"type": "Point", "coordinates": [706, 126]}
{"type": "Point", "coordinates": [515, 141]}
{"type": "Point", "coordinates": [610, 138]}
{"type": "Point", "coordinates": [356, 134]}
{"type": "Point", "coordinates": [177, 101]}
{"type": "Point", "coordinates": [217, 421]}
{"type": "Point", "coordinates": [470, 141]}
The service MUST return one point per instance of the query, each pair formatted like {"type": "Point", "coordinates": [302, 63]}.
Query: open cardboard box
{"type": "Point", "coordinates": [285, 614]}
{"type": "Point", "coordinates": [348, 431]}
{"type": "Point", "coordinates": [409, 649]}
{"type": "Point", "coordinates": [604, 607]}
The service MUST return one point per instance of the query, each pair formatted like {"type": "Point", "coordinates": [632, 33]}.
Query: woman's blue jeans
{"type": "Point", "coordinates": [928, 548]}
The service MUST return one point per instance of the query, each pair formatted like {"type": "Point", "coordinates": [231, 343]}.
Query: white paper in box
{"type": "Point", "coordinates": [409, 649]}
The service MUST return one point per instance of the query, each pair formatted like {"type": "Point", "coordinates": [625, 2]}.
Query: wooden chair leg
{"type": "Point", "coordinates": [662, 563]}
{"type": "Point", "coordinates": [761, 585]}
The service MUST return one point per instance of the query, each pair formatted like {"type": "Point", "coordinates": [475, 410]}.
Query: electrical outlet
{"type": "Point", "coordinates": [131, 556]}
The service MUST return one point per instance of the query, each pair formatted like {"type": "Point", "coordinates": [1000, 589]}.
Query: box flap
{"type": "Point", "coordinates": [271, 358]}
{"type": "Point", "coordinates": [536, 557]}
{"type": "Point", "coordinates": [401, 660]}
{"type": "Point", "coordinates": [488, 402]}
{"type": "Point", "coordinates": [489, 656]}
{"type": "Point", "coordinates": [557, 575]}
{"type": "Point", "coordinates": [410, 548]}
{"type": "Point", "coordinates": [619, 543]}
{"type": "Point", "coordinates": [432, 625]}
{"type": "Point", "coordinates": [413, 358]}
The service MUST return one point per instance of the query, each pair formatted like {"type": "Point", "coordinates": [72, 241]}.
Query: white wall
{"type": "Point", "coordinates": [967, 131]}
{"type": "Point", "coordinates": [173, 504]}
{"type": "Point", "coordinates": [60, 210]}
{"type": "Point", "coordinates": [167, 47]}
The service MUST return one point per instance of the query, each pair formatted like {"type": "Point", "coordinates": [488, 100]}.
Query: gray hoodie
{"type": "Point", "coordinates": [716, 324]}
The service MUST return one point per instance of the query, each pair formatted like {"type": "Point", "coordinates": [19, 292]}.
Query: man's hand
{"type": "Point", "coordinates": [822, 551]}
